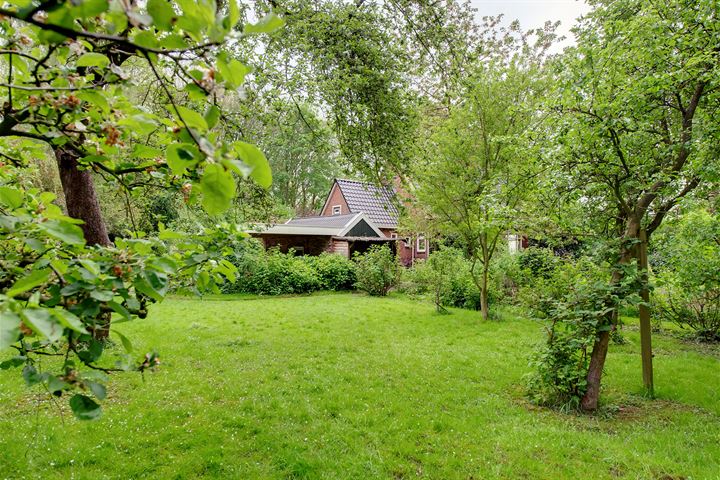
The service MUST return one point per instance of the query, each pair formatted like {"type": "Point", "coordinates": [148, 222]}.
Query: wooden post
{"type": "Point", "coordinates": [645, 329]}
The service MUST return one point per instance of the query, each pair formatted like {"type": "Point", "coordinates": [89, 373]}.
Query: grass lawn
{"type": "Point", "coordinates": [347, 386]}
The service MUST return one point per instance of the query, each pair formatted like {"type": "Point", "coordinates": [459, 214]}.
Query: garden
{"type": "Point", "coordinates": [515, 232]}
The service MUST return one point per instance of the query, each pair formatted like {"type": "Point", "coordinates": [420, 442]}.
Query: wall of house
{"type": "Point", "coordinates": [340, 247]}
{"type": "Point", "coordinates": [303, 244]}
{"type": "Point", "coordinates": [335, 198]}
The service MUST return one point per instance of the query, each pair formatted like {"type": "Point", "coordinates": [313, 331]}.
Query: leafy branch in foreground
{"type": "Point", "coordinates": [70, 73]}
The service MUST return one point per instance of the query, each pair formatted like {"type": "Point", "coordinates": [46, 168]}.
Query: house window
{"type": "Point", "coordinates": [336, 209]}
{"type": "Point", "coordinates": [393, 235]}
{"type": "Point", "coordinates": [421, 246]}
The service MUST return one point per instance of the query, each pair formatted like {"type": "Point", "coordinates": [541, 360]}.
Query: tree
{"type": "Point", "coordinates": [476, 171]}
{"type": "Point", "coordinates": [636, 132]}
{"type": "Point", "coordinates": [68, 69]}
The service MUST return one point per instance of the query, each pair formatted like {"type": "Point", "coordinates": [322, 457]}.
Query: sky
{"type": "Point", "coordinates": [534, 13]}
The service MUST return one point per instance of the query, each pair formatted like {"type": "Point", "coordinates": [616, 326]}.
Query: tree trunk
{"type": "Point", "coordinates": [82, 203]}
{"type": "Point", "coordinates": [80, 197]}
{"type": "Point", "coordinates": [484, 294]}
{"type": "Point", "coordinates": [594, 375]}
{"type": "Point", "coordinates": [600, 348]}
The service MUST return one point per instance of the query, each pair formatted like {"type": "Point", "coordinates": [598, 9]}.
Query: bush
{"type": "Point", "coordinates": [561, 363]}
{"type": "Point", "coordinates": [272, 272]}
{"type": "Point", "coordinates": [693, 308]}
{"type": "Point", "coordinates": [537, 262]}
{"type": "Point", "coordinates": [335, 272]}
{"type": "Point", "coordinates": [376, 270]}
{"type": "Point", "coordinates": [687, 258]}
{"type": "Point", "coordinates": [540, 294]}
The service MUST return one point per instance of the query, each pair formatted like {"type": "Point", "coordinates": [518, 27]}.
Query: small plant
{"type": "Point", "coordinates": [376, 270]}
{"type": "Point", "coordinates": [698, 311]}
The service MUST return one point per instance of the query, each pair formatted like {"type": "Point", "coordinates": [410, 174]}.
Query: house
{"type": "Point", "coordinates": [355, 216]}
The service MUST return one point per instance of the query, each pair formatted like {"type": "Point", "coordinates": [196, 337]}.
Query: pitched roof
{"type": "Point", "coordinates": [323, 221]}
{"type": "Point", "coordinates": [335, 226]}
{"type": "Point", "coordinates": [375, 201]}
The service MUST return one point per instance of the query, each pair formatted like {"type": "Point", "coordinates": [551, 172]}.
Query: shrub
{"type": "Point", "coordinates": [334, 271]}
{"type": "Point", "coordinates": [561, 363]}
{"type": "Point", "coordinates": [376, 270]}
{"type": "Point", "coordinates": [540, 294]}
{"type": "Point", "coordinates": [687, 257]}
{"type": "Point", "coordinates": [275, 273]}
{"type": "Point", "coordinates": [537, 262]}
{"type": "Point", "coordinates": [695, 308]}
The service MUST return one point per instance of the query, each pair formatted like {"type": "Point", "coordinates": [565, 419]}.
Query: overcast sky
{"type": "Point", "coordinates": [534, 13]}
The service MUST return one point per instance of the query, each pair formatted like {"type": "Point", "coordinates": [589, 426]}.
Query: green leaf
{"type": "Point", "coordinates": [259, 166]}
{"type": "Point", "coordinates": [66, 232]}
{"type": "Point", "coordinates": [268, 24]}
{"type": "Point", "coordinates": [9, 331]}
{"type": "Point", "coordinates": [218, 189]}
{"type": "Point", "coordinates": [125, 341]}
{"type": "Point", "coordinates": [233, 72]}
{"type": "Point", "coordinates": [85, 408]}
{"type": "Point", "coordinates": [31, 376]}
{"type": "Point", "coordinates": [162, 13]}
{"type": "Point", "coordinates": [13, 362]}
{"type": "Point", "coordinates": [39, 320]}
{"type": "Point", "coordinates": [233, 15]}
{"type": "Point", "coordinates": [34, 279]}
{"type": "Point", "coordinates": [143, 286]}
{"type": "Point", "coordinates": [146, 39]}
{"type": "Point", "coordinates": [89, 8]}
{"type": "Point", "coordinates": [173, 41]}
{"type": "Point", "coordinates": [69, 320]}
{"type": "Point", "coordinates": [95, 98]}
{"type": "Point", "coordinates": [191, 118]}
{"type": "Point", "coordinates": [181, 156]}
{"type": "Point", "coordinates": [12, 197]}
{"type": "Point", "coordinates": [55, 384]}
{"type": "Point", "coordinates": [117, 308]}
{"type": "Point", "coordinates": [92, 59]}
{"type": "Point", "coordinates": [102, 295]}
{"type": "Point", "coordinates": [98, 389]}
{"type": "Point", "coordinates": [90, 266]}
{"type": "Point", "coordinates": [144, 151]}
{"type": "Point", "coordinates": [212, 115]}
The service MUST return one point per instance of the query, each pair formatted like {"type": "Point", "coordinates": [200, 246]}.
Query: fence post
{"type": "Point", "coordinates": [645, 328]}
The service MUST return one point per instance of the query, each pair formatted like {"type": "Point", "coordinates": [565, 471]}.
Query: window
{"type": "Point", "coordinates": [336, 209]}
{"type": "Point", "coordinates": [421, 246]}
{"type": "Point", "coordinates": [393, 235]}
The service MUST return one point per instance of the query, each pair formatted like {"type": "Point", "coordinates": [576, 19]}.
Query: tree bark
{"type": "Point", "coordinates": [82, 203]}
{"type": "Point", "coordinates": [80, 197]}
{"type": "Point", "coordinates": [600, 347]}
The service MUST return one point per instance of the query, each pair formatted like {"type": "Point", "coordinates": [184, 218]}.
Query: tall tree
{"type": "Point", "coordinates": [476, 168]}
{"type": "Point", "coordinates": [638, 129]}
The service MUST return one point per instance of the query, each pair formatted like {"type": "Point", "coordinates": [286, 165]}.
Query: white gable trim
{"type": "Point", "coordinates": [356, 220]}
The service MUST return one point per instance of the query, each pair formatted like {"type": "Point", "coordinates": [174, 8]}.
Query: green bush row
{"type": "Point", "coordinates": [272, 272]}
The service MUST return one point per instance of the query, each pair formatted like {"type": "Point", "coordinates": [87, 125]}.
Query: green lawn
{"type": "Point", "coordinates": [346, 386]}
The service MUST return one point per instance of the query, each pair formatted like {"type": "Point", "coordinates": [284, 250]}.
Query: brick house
{"type": "Point", "coordinates": [355, 216]}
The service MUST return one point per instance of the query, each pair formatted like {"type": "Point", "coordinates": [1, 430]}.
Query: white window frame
{"type": "Point", "coordinates": [393, 235]}
{"type": "Point", "coordinates": [417, 244]}
{"type": "Point", "coordinates": [339, 209]}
